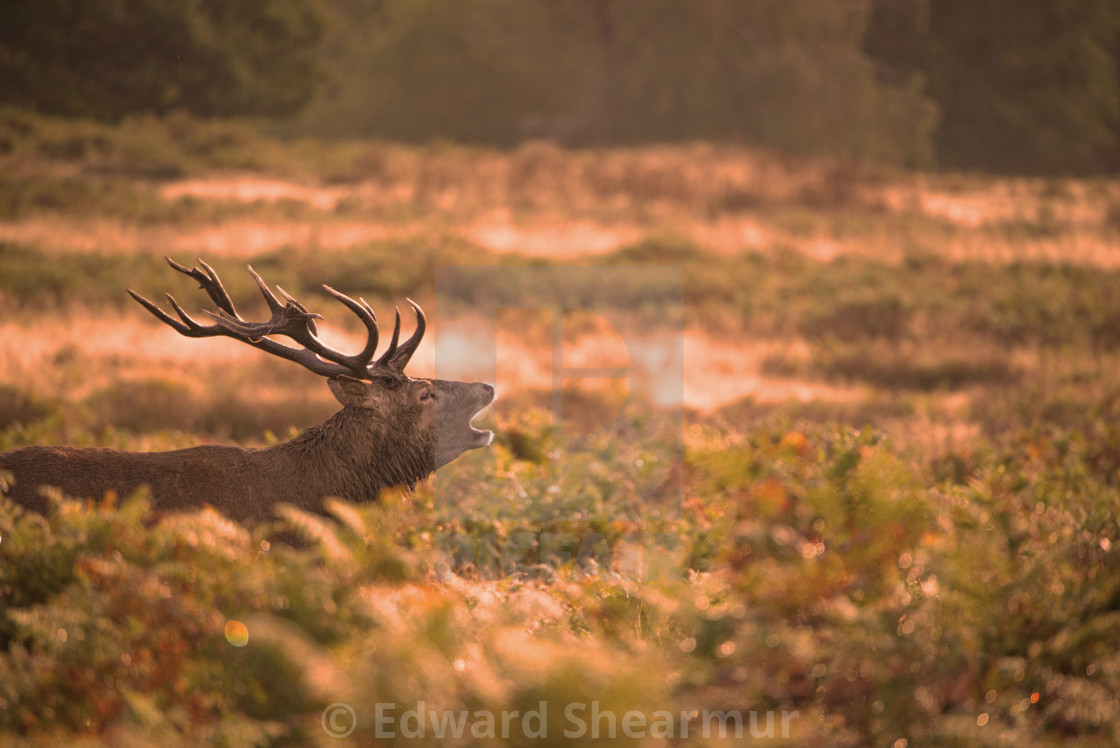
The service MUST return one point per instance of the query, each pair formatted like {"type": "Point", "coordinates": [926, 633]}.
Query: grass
{"type": "Point", "coordinates": [997, 338]}
{"type": "Point", "coordinates": [888, 503]}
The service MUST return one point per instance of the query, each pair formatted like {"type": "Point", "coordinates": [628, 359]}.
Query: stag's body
{"type": "Point", "coordinates": [340, 458]}
{"type": "Point", "coordinates": [179, 479]}
{"type": "Point", "coordinates": [393, 430]}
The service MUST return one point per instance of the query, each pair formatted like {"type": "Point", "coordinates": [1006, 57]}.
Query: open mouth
{"type": "Point", "coordinates": [482, 434]}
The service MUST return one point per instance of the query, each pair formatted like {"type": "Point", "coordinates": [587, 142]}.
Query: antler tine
{"type": "Point", "coordinates": [293, 320]}
{"type": "Point", "coordinates": [161, 315]}
{"type": "Point", "coordinates": [194, 330]}
{"type": "Point", "coordinates": [187, 327]}
{"type": "Point", "coordinates": [397, 355]}
{"type": "Point", "coordinates": [404, 354]}
{"type": "Point", "coordinates": [385, 362]}
{"type": "Point", "coordinates": [209, 282]}
{"type": "Point", "coordinates": [286, 319]}
{"type": "Point", "coordinates": [312, 316]}
{"type": "Point", "coordinates": [191, 329]}
{"type": "Point", "coordinates": [273, 303]}
{"type": "Point", "coordinates": [250, 331]}
{"type": "Point", "coordinates": [368, 318]}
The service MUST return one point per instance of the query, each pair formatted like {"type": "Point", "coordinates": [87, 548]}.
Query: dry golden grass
{"type": "Point", "coordinates": [720, 372]}
{"type": "Point", "coordinates": [543, 201]}
{"type": "Point", "coordinates": [540, 201]}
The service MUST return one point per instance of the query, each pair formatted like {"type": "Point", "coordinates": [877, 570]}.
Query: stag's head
{"type": "Point", "coordinates": [440, 408]}
{"type": "Point", "coordinates": [378, 392]}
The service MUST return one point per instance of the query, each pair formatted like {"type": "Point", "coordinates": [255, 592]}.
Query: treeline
{"type": "Point", "coordinates": [1022, 86]}
{"type": "Point", "coordinates": [1013, 86]}
{"type": "Point", "coordinates": [787, 74]}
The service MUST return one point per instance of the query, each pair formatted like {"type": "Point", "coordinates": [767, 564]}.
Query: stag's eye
{"type": "Point", "coordinates": [427, 395]}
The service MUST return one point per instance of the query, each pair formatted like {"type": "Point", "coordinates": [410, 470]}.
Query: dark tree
{"type": "Point", "coordinates": [110, 58]}
{"type": "Point", "coordinates": [1025, 86]}
{"type": "Point", "coordinates": [896, 38]}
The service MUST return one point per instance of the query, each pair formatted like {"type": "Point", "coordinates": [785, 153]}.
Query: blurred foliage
{"type": "Point", "coordinates": [787, 75]}
{"type": "Point", "coordinates": [1021, 87]}
{"type": "Point", "coordinates": [877, 306]}
{"type": "Point", "coordinates": [964, 595]}
{"type": "Point", "coordinates": [145, 147]}
{"type": "Point", "coordinates": [18, 408]}
{"type": "Point", "coordinates": [1027, 87]}
{"type": "Point", "coordinates": [1036, 343]}
{"type": "Point", "coordinates": [811, 571]}
{"type": "Point", "coordinates": [109, 58]}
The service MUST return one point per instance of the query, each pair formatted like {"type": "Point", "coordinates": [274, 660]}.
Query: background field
{"type": "Point", "coordinates": [894, 512]}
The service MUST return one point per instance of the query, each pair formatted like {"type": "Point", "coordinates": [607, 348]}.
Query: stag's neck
{"type": "Point", "coordinates": [349, 456]}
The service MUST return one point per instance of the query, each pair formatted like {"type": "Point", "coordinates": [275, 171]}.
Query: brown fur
{"type": "Point", "coordinates": [387, 434]}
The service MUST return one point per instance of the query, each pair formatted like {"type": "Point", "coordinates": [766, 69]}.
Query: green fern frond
{"type": "Point", "coordinates": [318, 530]}
{"type": "Point", "coordinates": [348, 515]}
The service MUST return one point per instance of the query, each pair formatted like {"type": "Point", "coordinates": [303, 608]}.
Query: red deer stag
{"type": "Point", "coordinates": [393, 430]}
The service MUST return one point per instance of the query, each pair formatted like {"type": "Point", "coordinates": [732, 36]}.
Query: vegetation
{"type": "Point", "coordinates": [1022, 87]}
{"type": "Point", "coordinates": [889, 504]}
{"type": "Point", "coordinates": [109, 58]}
{"type": "Point", "coordinates": [809, 572]}
{"type": "Point", "coordinates": [1000, 79]}
{"type": "Point", "coordinates": [595, 73]}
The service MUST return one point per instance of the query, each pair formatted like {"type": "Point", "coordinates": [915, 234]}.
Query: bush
{"type": "Point", "coordinates": [812, 571]}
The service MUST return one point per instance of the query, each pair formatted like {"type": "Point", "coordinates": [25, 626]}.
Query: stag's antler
{"type": "Point", "coordinates": [293, 320]}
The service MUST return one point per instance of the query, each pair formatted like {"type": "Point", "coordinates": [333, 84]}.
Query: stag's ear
{"type": "Point", "coordinates": [347, 390]}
